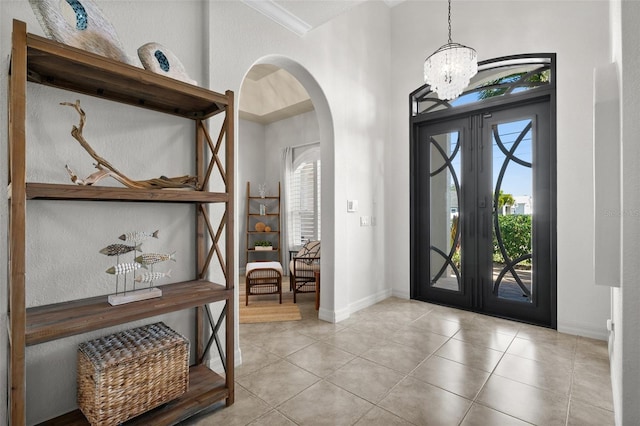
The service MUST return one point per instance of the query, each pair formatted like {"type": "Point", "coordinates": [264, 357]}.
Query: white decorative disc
{"type": "Point", "coordinates": [81, 24]}
{"type": "Point", "coordinates": [157, 58]}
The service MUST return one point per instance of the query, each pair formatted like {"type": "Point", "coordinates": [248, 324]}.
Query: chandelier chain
{"type": "Point", "coordinates": [450, 21]}
{"type": "Point", "coordinates": [449, 69]}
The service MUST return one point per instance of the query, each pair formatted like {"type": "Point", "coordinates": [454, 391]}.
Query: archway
{"type": "Point", "coordinates": [326, 137]}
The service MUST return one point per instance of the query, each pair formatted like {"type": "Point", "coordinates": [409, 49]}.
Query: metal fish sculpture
{"type": "Point", "coordinates": [152, 276]}
{"type": "Point", "coordinates": [151, 258]}
{"type": "Point", "coordinates": [136, 237]}
{"type": "Point", "coordinates": [118, 249]}
{"type": "Point", "coordinates": [123, 268]}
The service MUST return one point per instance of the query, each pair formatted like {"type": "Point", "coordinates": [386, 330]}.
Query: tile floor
{"type": "Point", "coordinates": [403, 362]}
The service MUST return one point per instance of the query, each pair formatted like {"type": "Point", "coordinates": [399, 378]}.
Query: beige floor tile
{"type": "Point", "coordinates": [320, 358]}
{"type": "Point", "coordinates": [485, 337]}
{"type": "Point", "coordinates": [272, 418]}
{"type": "Point", "coordinates": [525, 402]}
{"type": "Point", "coordinates": [549, 376]}
{"type": "Point", "coordinates": [253, 359]}
{"type": "Point", "coordinates": [499, 325]}
{"type": "Point", "coordinates": [325, 404]}
{"type": "Point", "coordinates": [423, 340]}
{"type": "Point", "coordinates": [396, 356]}
{"type": "Point", "coordinates": [451, 376]}
{"type": "Point", "coordinates": [548, 335]}
{"type": "Point", "coordinates": [452, 314]}
{"type": "Point", "coordinates": [277, 382]}
{"type": "Point", "coordinates": [373, 328]}
{"type": "Point", "coordinates": [253, 332]}
{"type": "Point", "coordinates": [423, 404]}
{"type": "Point", "coordinates": [434, 324]}
{"type": "Point", "coordinates": [397, 314]}
{"type": "Point", "coordinates": [593, 347]}
{"type": "Point", "coordinates": [581, 414]}
{"type": "Point", "coordinates": [379, 417]}
{"type": "Point", "coordinates": [285, 343]}
{"type": "Point", "coordinates": [594, 389]}
{"type": "Point", "coordinates": [318, 329]}
{"type": "Point", "coordinates": [245, 409]}
{"type": "Point", "coordinates": [592, 356]}
{"type": "Point", "coordinates": [553, 352]}
{"type": "Point", "coordinates": [480, 415]}
{"type": "Point", "coordinates": [595, 366]}
{"type": "Point", "coordinates": [352, 340]}
{"type": "Point", "coordinates": [271, 390]}
{"type": "Point", "coordinates": [479, 357]}
{"type": "Point", "coordinates": [366, 379]}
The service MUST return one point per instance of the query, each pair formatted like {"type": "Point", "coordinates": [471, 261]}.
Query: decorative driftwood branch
{"type": "Point", "coordinates": [105, 169]}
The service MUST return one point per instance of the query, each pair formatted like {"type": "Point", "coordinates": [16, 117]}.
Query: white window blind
{"type": "Point", "coordinates": [305, 202]}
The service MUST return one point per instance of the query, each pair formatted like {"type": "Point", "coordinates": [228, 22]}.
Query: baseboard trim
{"type": "Point", "coordinates": [581, 330]}
{"type": "Point", "coordinates": [401, 294]}
{"type": "Point", "coordinates": [343, 314]}
{"type": "Point", "coordinates": [332, 316]}
{"type": "Point", "coordinates": [369, 300]}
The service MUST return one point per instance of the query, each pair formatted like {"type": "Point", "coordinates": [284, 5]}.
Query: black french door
{"type": "Point", "coordinates": [483, 212]}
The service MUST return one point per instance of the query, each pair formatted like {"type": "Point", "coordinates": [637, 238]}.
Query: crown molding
{"type": "Point", "coordinates": [280, 15]}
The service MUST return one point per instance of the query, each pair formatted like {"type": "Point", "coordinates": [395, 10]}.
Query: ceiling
{"type": "Point", "coordinates": [269, 93]}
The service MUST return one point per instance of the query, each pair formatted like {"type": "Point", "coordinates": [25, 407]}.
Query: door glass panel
{"type": "Point", "coordinates": [513, 211]}
{"type": "Point", "coordinates": [444, 186]}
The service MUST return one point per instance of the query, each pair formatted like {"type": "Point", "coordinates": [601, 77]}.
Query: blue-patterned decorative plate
{"type": "Point", "coordinates": [157, 58]}
{"type": "Point", "coordinates": [81, 24]}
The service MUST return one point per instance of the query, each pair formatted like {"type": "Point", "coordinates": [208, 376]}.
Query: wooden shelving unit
{"type": "Point", "coordinates": [271, 217]}
{"type": "Point", "coordinates": [39, 60]}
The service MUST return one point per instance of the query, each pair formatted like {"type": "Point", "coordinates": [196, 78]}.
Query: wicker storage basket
{"type": "Point", "coordinates": [125, 374]}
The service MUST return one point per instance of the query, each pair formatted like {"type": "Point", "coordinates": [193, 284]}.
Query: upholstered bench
{"type": "Point", "coordinates": [263, 278]}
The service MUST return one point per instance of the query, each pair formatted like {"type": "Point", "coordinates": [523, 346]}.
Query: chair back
{"type": "Point", "coordinates": [310, 250]}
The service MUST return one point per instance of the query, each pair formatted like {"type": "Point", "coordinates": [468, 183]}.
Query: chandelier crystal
{"type": "Point", "coordinates": [450, 68]}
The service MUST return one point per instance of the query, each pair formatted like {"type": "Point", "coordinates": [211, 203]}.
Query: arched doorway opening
{"type": "Point", "coordinates": [316, 114]}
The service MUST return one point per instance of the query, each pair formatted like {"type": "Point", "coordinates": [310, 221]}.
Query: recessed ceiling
{"type": "Point", "coordinates": [269, 93]}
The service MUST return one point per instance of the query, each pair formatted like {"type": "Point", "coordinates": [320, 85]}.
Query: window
{"type": "Point", "coordinates": [496, 78]}
{"type": "Point", "coordinates": [304, 198]}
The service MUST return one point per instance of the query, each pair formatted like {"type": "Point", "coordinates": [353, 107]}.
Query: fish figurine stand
{"type": "Point", "coordinates": [133, 242]}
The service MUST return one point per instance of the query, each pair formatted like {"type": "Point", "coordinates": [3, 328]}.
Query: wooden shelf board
{"type": "Point", "coordinates": [65, 67]}
{"type": "Point", "coordinates": [54, 191]}
{"type": "Point", "coordinates": [50, 322]}
{"type": "Point", "coordinates": [205, 388]}
{"type": "Point", "coordinates": [262, 251]}
{"type": "Point", "coordinates": [266, 214]}
{"type": "Point", "coordinates": [262, 232]}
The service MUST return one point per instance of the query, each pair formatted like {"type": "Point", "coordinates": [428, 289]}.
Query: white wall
{"type": "Point", "coordinates": [349, 59]}
{"type": "Point", "coordinates": [251, 168]}
{"type": "Point", "coordinates": [260, 159]}
{"type": "Point", "coordinates": [499, 28]}
{"type": "Point", "coordinates": [625, 347]}
{"type": "Point", "coordinates": [297, 130]}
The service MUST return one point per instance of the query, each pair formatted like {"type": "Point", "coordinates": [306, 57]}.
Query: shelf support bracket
{"type": "Point", "coordinates": [215, 327]}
